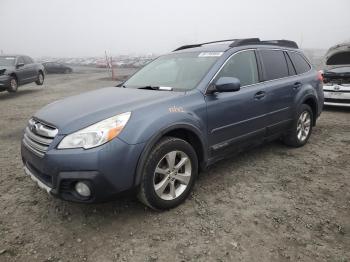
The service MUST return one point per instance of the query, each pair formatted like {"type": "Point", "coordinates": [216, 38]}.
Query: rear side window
{"type": "Point", "coordinates": [291, 68]}
{"type": "Point", "coordinates": [243, 66]}
{"type": "Point", "coordinates": [300, 64]}
{"type": "Point", "coordinates": [274, 63]}
{"type": "Point", "coordinates": [20, 60]}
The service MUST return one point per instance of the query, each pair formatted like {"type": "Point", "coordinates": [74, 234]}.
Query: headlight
{"type": "Point", "coordinates": [96, 134]}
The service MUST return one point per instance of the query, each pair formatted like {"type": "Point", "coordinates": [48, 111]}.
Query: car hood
{"type": "Point", "coordinates": [337, 56]}
{"type": "Point", "coordinates": [76, 112]}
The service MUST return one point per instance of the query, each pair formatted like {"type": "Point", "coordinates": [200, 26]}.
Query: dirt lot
{"type": "Point", "coordinates": [272, 203]}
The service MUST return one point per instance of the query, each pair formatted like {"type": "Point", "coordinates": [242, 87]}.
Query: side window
{"type": "Point", "coordinates": [27, 60]}
{"type": "Point", "coordinates": [20, 60]}
{"type": "Point", "coordinates": [243, 66]}
{"type": "Point", "coordinates": [300, 64]}
{"type": "Point", "coordinates": [291, 68]}
{"type": "Point", "coordinates": [274, 64]}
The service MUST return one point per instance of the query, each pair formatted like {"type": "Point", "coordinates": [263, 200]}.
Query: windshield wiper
{"type": "Point", "coordinates": [160, 88]}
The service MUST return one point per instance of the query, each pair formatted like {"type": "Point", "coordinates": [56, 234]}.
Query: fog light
{"type": "Point", "coordinates": [82, 189]}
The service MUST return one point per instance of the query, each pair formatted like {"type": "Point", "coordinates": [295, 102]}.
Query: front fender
{"type": "Point", "coordinates": [158, 135]}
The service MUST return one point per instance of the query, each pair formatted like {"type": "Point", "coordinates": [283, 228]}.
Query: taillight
{"type": "Point", "coordinates": [320, 75]}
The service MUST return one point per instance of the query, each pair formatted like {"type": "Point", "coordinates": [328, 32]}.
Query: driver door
{"type": "Point", "coordinates": [235, 118]}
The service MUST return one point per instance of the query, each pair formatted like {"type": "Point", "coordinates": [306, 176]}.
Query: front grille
{"type": "Point", "coordinates": [38, 136]}
{"type": "Point", "coordinates": [340, 101]}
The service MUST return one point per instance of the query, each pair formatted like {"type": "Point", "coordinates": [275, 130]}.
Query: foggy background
{"type": "Point", "coordinates": [64, 28]}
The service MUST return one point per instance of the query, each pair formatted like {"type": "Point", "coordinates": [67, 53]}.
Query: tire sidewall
{"type": "Point", "coordinates": [164, 147]}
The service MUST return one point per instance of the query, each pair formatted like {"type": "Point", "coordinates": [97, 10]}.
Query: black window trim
{"type": "Point", "coordinates": [262, 67]}
{"type": "Point", "coordinates": [287, 57]}
{"type": "Point", "coordinates": [287, 50]}
{"type": "Point", "coordinates": [303, 56]}
{"type": "Point", "coordinates": [226, 61]}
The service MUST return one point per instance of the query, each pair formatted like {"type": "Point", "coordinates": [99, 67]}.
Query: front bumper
{"type": "Point", "coordinates": [4, 82]}
{"type": "Point", "coordinates": [337, 95]}
{"type": "Point", "coordinates": [108, 170]}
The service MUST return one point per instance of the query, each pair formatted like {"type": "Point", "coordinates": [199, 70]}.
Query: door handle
{"type": "Point", "coordinates": [259, 95]}
{"type": "Point", "coordinates": [297, 85]}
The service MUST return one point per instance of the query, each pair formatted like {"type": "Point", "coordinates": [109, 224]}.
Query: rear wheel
{"type": "Point", "coordinates": [302, 128]}
{"type": "Point", "coordinates": [40, 79]}
{"type": "Point", "coordinates": [169, 174]}
{"type": "Point", "coordinates": [13, 85]}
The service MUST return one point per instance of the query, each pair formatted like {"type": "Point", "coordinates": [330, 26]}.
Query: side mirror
{"type": "Point", "coordinates": [19, 65]}
{"type": "Point", "coordinates": [226, 84]}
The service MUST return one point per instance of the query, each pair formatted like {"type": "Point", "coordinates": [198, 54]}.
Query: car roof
{"type": "Point", "coordinates": [224, 45]}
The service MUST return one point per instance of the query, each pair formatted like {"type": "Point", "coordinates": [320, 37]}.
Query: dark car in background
{"type": "Point", "coordinates": [336, 76]}
{"type": "Point", "coordinates": [57, 68]}
{"type": "Point", "coordinates": [175, 116]}
{"type": "Point", "coordinates": [16, 70]}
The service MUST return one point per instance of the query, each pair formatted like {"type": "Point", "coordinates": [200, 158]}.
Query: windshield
{"type": "Point", "coordinates": [181, 71]}
{"type": "Point", "coordinates": [7, 60]}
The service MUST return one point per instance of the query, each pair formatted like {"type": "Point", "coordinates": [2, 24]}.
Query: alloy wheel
{"type": "Point", "coordinates": [172, 175]}
{"type": "Point", "coordinates": [303, 126]}
{"type": "Point", "coordinates": [41, 78]}
{"type": "Point", "coordinates": [13, 84]}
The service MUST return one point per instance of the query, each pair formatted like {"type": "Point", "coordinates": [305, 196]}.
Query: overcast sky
{"type": "Point", "coordinates": [89, 27]}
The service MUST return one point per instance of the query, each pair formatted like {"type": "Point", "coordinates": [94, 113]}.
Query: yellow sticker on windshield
{"type": "Point", "coordinates": [210, 54]}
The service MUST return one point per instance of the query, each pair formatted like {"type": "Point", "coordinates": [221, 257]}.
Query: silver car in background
{"type": "Point", "coordinates": [336, 76]}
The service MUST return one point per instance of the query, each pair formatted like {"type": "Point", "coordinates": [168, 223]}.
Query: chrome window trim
{"type": "Point", "coordinates": [262, 82]}
{"type": "Point", "coordinates": [221, 67]}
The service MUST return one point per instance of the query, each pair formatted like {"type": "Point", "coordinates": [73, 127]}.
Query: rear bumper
{"type": "Point", "coordinates": [108, 170]}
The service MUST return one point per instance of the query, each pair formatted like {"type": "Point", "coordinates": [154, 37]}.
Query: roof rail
{"type": "Point", "coordinates": [246, 41]}
{"type": "Point", "coordinates": [257, 41]}
{"type": "Point", "coordinates": [206, 43]}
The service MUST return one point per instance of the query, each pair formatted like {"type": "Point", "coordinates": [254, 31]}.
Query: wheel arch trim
{"type": "Point", "coordinates": [156, 137]}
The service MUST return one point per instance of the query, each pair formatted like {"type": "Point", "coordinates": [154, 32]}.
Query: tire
{"type": "Point", "coordinates": [173, 187]}
{"type": "Point", "coordinates": [302, 127]}
{"type": "Point", "coordinates": [40, 80]}
{"type": "Point", "coordinates": [13, 87]}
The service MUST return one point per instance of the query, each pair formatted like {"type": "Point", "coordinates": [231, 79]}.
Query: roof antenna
{"type": "Point", "coordinates": [301, 40]}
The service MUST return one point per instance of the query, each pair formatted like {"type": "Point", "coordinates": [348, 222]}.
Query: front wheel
{"type": "Point", "coordinates": [302, 128]}
{"type": "Point", "coordinates": [13, 85]}
{"type": "Point", "coordinates": [169, 174]}
{"type": "Point", "coordinates": [40, 79]}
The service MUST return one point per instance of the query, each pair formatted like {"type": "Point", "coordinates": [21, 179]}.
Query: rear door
{"type": "Point", "coordinates": [237, 117]}
{"type": "Point", "coordinates": [279, 87]}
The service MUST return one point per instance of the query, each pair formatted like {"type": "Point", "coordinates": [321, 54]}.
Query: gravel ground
{"type": "Point", "coordinates": [272, 203]}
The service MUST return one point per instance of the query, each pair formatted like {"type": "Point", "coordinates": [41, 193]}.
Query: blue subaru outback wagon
{"type": "Point", "coordinates": [174, 117]}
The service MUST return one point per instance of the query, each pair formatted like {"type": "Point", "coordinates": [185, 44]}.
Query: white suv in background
{"type": "Point", "coordinates": [336, 74]}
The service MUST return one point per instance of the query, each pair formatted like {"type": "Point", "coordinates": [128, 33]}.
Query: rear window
{"type": "Point", "coordinates": [300, 64]}
{"type": "Point", "coordinates": [274, 63]}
